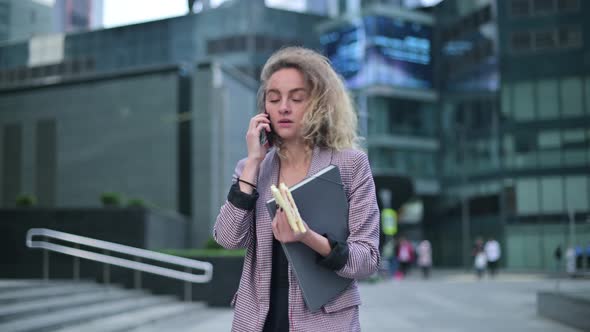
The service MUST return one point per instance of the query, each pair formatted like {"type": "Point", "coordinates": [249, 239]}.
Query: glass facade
{"type": "Point", "coordinates": [521, 144]}
{"type": "Point", "coordinates": [554, 112]}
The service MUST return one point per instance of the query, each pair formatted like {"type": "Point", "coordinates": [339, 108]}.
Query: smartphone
{"type": "Point", "coordinates": [265, 139]}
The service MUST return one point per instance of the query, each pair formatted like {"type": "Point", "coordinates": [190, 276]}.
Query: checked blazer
{"type": "Point", "coordinates": [238, 228]}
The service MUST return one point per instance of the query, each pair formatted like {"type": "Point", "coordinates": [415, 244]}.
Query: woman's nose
{"type": "Point", "coordinates": [284, 106]}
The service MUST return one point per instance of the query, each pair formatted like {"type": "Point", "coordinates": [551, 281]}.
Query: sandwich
{"type": "Point", "coordinates": [285, 200]}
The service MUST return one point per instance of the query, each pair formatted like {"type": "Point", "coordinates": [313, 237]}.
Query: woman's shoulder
{"type": "Point", "coordinates": [350, 157]}
{"type": "Point", "coordinates": [350, 153]}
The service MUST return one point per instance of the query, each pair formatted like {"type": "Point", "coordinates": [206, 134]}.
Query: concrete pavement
{"type": "Point", "coordinates": [449, 301]}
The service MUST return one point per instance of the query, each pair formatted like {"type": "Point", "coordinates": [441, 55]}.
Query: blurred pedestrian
{"type": "Point", "coordinates": [557, 254]}
{"type": "Point", "coordinates": [388, 231]}
{"type": "Point", "coordinates": [425, 257]}
{"type": "Point", "coordinates": [493, 254]}
{"type": "Point", "coordinates": [479, 257]}
{"type": "Point", "coordinates": [405, 256]}
{"type": "Point", "coordinates": [570, 261]}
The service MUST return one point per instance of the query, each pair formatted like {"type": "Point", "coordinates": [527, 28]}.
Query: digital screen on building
{"type": "Point", "coordinates": [398, 52]}
{"type": "Point", "coordinates": [471, 62]}
{"type": "Point", "coordinates": [381, 50]}
{"type": "Point", "coordinates": [345, 47]}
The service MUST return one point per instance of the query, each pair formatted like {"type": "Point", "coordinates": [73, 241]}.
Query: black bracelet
{"type": "Point", "coordinates": [248, 183]}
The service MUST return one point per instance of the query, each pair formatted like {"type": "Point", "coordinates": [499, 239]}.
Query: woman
{"type": "Point", "coordinates": [307, 114]}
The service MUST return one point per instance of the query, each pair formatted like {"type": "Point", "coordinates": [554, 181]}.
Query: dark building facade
{"type": "Point", "coordinates": [156, 111]}
{"type": "Point", "coordinates": [242, 34]}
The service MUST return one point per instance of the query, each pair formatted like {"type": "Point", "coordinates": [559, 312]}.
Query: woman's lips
{"type": "Point", "coordinates": [285, 123]}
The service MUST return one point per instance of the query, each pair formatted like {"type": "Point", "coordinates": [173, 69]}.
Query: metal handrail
{"type": "Point", "coordinates": [126, 263]}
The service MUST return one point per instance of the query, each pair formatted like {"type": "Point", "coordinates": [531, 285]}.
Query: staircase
{"type": "Point", "coordinates": [66, 305]}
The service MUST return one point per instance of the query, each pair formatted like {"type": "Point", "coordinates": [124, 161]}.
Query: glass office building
{"type": "Point", "coordinates": [484, 105]}
{"type": "Point", "coordinates": [384, 53]}
{"type": "Point", "coordinates": [514, 126]}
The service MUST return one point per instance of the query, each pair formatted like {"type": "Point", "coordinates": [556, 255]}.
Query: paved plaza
{"type": "Point", "coordinates": [449, 302]}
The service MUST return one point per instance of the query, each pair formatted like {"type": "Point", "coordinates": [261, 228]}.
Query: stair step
{"type": "Point", "coordinates": [29, 294]}
{"type": "Point", "coordinates": [7, 285]}
{"type": "Point", "coordinates": [137, 319]}
{"type": "Point", "coordinates": [63, 318]}
{"type": "Point", "coordinates": [19, 309]}
{"type": "Point", "coordinates": [180, 323]}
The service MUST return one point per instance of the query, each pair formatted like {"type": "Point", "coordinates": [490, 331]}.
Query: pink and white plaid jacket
{"type": "Point", "coordinates": [235, 228]}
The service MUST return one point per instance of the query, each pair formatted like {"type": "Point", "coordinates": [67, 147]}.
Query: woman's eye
{"type": "Point", "coordinates": [274, 101]}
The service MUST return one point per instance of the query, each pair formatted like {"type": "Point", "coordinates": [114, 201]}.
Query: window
{"type": "Point", "coordinates": [547, 99]}
{"type": "Point", "coordinates": [520, 8]}
{"type": "Point", "coordinates": [549, 142]}
{"type": "Point", "coordinates": [543, 6]}
{"type": "Point", "coordinates": [569, 37]}
{"type": "Point", "coordinates": [521, 41]}
{"type": "Point", "coordinates": [559, 37]}
{"type": "Point", "coordinates": [552, 194]}
{"type": "Point", "coordinates": [571, 97]}
{"type": "Point", "coordinates": [576, 193]}
{"type": "Point", "coordinates": [527, 199]}
{"type": "Point", "coordinates": [568, 5]}
{"type": "Point", "coordinates": [544, 39]}
{"type": "Point", "coordinates": [523, 101]}
{"type": "Point", "coordinates": [525, 146]}
{"type": "Point", "coordinates": [574, 147]}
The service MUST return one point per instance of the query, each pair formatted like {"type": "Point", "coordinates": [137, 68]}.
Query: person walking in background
{"type": "Point", "coordinates": [388, 230]}
{"type": "Point", "coordinates": [493, 254]}
{"type": "Point", "coordinates": [558, 253]}
{"type": "Point", "coordinates": [425, 257]}
{"type": "Point", "coordinates": [306, 122]}
{"type": "Point", "coordinates": [479, 257]}
{"type": "Point", "coordinates": [570, 261]}
{"type": "Point", "coordinates": [405, 256]}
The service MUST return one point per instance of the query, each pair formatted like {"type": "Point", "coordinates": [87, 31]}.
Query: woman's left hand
{"type": "Point", "coordinates": [283, 231]}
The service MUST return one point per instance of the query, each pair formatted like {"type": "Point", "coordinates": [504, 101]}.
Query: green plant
{"type": "Point", "coordinates": [212, 244]}
{"type": "Point", "coordinates": [111, 199]}
{"type": "Point", "coordinates": [136, 202]}
{"type": "Point", "coordinates": [26, 200]}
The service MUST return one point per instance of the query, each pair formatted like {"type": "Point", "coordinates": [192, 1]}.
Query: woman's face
{"type": "Point", "coordinates": [286, 98]}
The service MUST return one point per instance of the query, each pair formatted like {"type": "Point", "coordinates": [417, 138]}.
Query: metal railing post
{"type": "Point", "coordinates": [188, 288]}
{"type": "Point", "coordinates": [106, 270]}
{"type": "Point", "coordinates": [137, 276]}
{"type": "Point", "coordinates": [76, 264]}
{"type": "Point", "coordinates": [45, 265]}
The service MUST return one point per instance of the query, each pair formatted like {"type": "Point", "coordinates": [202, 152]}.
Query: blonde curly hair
{"type": "Point", "coordinates": [330, 120]}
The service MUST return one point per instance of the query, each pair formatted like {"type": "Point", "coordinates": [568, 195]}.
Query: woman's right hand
{"type": "Point", "coordinates": [258, 123]}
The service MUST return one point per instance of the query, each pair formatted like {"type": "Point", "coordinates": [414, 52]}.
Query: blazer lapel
{"type": "Point", "coordinates": [320, 159]}
{"type": "Point", "coordinates": [268, 173]}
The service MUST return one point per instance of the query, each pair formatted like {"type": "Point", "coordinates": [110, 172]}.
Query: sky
{"type": "Point", "coordinates": [124, 12]}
